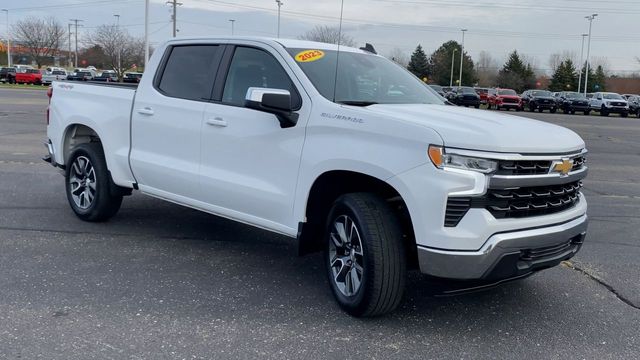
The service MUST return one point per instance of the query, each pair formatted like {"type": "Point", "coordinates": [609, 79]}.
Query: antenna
{"type": "Point", "coordinates": [335, 79]}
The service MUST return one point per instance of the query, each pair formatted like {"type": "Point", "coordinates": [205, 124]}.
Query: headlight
{"type": "Point", "coordinates": [441, 160]}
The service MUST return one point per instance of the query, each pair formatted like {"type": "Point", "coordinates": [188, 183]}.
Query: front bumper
{"type": "Point", "coordinates": [617, 109]}
{"type": "Point", "coordinates": [508, 255]}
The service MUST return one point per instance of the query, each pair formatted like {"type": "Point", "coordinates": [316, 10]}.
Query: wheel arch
{"type": "Point", "coordinates": [328, 186]}
{"type": "Point", "coordinates": [74, 134]}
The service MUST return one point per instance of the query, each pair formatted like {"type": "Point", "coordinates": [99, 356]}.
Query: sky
{"type": "Point", "coordinates": [536, 28]}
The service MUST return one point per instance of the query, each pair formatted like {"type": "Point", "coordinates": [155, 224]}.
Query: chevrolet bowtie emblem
{"type": "Point", "coordinates": [563, 167]}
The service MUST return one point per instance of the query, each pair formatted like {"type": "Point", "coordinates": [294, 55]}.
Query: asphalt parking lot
{"type": "Point", "coordinates": [162, 281]}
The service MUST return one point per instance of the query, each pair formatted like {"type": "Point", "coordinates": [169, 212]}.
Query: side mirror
{"type": "Point", "coordinates": [274, 101]}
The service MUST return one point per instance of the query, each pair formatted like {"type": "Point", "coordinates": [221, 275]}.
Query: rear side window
{"type": "Point", "coordinates": [255, 68]}
{"type": "Point", "coordinates": [189, 72]}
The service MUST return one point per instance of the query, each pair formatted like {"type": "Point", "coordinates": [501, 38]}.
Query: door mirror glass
{"type": "Point", "coordinates": [274, 101]}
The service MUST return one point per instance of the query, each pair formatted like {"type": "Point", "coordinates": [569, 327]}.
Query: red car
{"type": "Point", "coordinates": [504, 99]}
{"type": "Point", "coordinates": [29, 76]}
{"type": "Point", "coordinates": [483, 93]}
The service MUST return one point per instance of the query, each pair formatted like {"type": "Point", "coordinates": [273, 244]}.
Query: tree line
{"type": "Point", "coordinates": [107, 47]}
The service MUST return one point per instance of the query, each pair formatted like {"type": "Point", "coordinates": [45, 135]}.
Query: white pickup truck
{"type": "Point", "coordinates": [375, 170]}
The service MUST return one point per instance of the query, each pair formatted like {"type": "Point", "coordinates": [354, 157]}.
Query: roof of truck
{"type": "Point", "coordinates": [286, 43]}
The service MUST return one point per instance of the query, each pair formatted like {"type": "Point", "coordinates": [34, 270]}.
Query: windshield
{"type": "Point", "coordinates": [541, 93]}
{"type": "Point", "coordinates": [507, 92]}
{"type": "Point", "coordinates": [436, 87]}
{"type": "Point", "coordinates": [57, 72]}
{"type": "Point", "coordinates": [574, 95]}
{"type": "Point", "coordinates": [362, 79]}
{"type": "Point", "coordinates": [612, 96]}
{"type": "Point", "coordinates": [32, 71]}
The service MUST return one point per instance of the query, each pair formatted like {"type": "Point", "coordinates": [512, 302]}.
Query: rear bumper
{"type": "Point", "coordinates": [508, 255]}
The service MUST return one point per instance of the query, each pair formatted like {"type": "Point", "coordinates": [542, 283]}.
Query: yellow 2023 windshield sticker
{"type": "Point", "coordinates": [309, 55]}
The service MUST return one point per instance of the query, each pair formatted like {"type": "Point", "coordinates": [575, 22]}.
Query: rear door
{"type": "Point", "coordinates": [249, 163]}
{"type": "Point", "coordinates": [167, 118]}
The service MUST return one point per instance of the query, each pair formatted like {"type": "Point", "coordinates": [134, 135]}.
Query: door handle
{"type": "Point", "coordinates": [145, 111]}
{"type": "Point", "coordinates": [217, 122]}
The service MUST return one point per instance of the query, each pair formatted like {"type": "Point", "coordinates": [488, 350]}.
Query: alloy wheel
{"type": "Point", "coordinates": [82, 180]}
{"type": "Point", "coordinates": [346, 257]}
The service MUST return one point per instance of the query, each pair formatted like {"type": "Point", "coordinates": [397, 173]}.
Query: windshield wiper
{"type": "Point", "coordinates": [356, 102]}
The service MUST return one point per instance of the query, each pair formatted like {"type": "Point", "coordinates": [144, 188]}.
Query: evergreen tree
{"type": "Point", "coordinates": [515, 74]}
{"type": "Point", "coordinates": [565, 77]}
{"type": "Point", "coordinates": [419, 64]}
{"type": "Point", "coordinates": [600, 79]}
{"type": "Point", "coordinates": [590, 83]}
{"type": "Point", "coordinates": [440, 61]}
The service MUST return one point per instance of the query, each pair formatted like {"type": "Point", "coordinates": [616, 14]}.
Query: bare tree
{"type": "Point", "coordinates": [328, 34]}
{"type": "Point", "coordinates": [41, 37]}
{"type": "Point", "coordinates": [558, 58]}
{"type": "Point", "coordinates": [399, 57]}
{"type": "Point", "coordinates": [486, 69]}
{"type": "Point", "coordinates": [116, 41]}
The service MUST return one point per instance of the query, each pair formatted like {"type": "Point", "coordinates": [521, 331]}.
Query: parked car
{"type": "Point", "coordinates": [107, 76]}
{"type": "Point", "coordinates": [571, 102]}
{"type": "Point", "coordinates": [438, 89]}
{"type": "Point", "coordinates": [54, 75]}
{"type": "Point", "coordinates": [80, 76]}
{"type": "Point", "coordinates": [464, 96]}
{"type": "Point", "coordinates": [627, 96]}
{"type": "Point", "coordinates": [8, 75]}
{"type": "Point", "coordinates": [29, 76]}
{"type": "Point", "coordinates": [504, 99]}
{"type": "Point", "coordinates": [132, 77]}
{"type": "Point", "coordinates": [634, 105]}
{"type": "Point", "coordinates": [539, 100]}
{"type": "Point", "coordinates": [381, 182]}
{"type": "Point", "coordinates": [483, 93]}
{"type": "Point", "coordinates": [607, 103]}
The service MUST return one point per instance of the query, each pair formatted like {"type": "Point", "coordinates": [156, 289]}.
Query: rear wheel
{"type": "Point", "coordinates": [587, 112]}
{"type": "Point", "coordinates": [88, 184]}
{"type": "Point", "coordinates": [364, 254]}
{"type": "Point", "coordinates": [552, 110]}
{"type": "Point", "coordinates": [624, 114]}
{"type": "Point", "coordinates": [532, 108]}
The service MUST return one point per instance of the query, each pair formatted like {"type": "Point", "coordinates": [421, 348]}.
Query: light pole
{"type": "Point", "coordinates": [146, 33]}
{"type": "Point", "coordinates": [232, 21]}
{"type": "Point", "coordinates": [586, 73]}
{"type": "Point", "coordinates": [8, 40]}
{"type": "Point", "coordinates": [461, 56]}
{"type": "Point", "coordinates": [117, 16]}
{"type": "Point", "coordinates": [70, 64]}
{"type": "Point", "coordinates": [581, 64]}
{"type": "Point", "coordinates": [279, 2]}
{"type": "Point", "coordinates": [453, 57]}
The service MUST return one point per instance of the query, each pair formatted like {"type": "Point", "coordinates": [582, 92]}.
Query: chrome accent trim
{"type": "Point", "coordinates": [466, 265]}
{"type": "Point", "coordinates": [513, 156]}
{"type": "Point", "coordinates": [515, 181]}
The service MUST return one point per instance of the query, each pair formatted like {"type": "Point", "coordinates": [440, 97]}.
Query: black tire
{"type": "Point", "coordinates": [573, 112]}
{"type": "Point", "coordinates": [518, 109]}
{"type": "Point", "coordinates": [532, 108]}
{"type": "Point", "coordinates": [104, 204]}
{"type": "Point", "coordinates": [477, 106]}
{"type": "Point", "coordinates": [565, 110]}
{"type": "Point", "coordinates": [383, 260]}
{"type": "Point", "coordinates": [540, 110]}
{"type": "Point", "coordinates": [552, 110]}
{"type": "Point", "coordinates": [587, 112]}
{"type": "Point", "coordinates": [624, 114]}
{"type": "Point", "coordinates": [603, 112]}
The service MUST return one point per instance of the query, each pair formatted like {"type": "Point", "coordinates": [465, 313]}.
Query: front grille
{"type": "Point", "coordinates": [578, 163]}
{"type": "Point", "coordinates": [618, 104]}
{"type": "Point", "coordinates": [529, 201]}
{"type": "Point", "coordinates": [516, 203]}
{"type": "Point", "coordinates": [523, 167]}
{"type": "Point", "coordinates": [507, 100]}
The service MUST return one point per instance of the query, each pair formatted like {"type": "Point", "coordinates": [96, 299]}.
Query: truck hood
{"type": "Point", "coordinates": [485, 130]}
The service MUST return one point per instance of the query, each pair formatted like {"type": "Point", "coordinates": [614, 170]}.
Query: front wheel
{"type": "Point", "coordinates": [364, 254]}
{"type": "Point", "coordinates": [587, 112]}
{"type": "Point", "coordinates": [88, 184]}
{"type": "Point", "coordinates": [552, 110]}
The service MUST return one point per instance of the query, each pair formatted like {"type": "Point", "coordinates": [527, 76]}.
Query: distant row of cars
{"type": "Point", "coordinates": [21, 74]}
{"type": "Point", "coordinates": [569, 102]}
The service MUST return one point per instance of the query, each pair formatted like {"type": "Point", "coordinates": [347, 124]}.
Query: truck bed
{"type": "Point", "coordinates": [103, 107]}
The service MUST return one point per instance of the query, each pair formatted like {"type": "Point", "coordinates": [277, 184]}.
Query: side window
{"type": "Point", "coordinates": [189, 72]}
{"type": "Point", "coordinates": [255, 68]}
